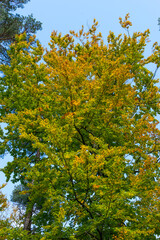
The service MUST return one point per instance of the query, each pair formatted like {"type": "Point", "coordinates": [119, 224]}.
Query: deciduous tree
{"type": "Point", "coordinates": [90, 112]}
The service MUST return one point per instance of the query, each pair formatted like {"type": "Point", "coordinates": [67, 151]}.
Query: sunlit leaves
{"type": "Point", "coordinates": [90, 112]}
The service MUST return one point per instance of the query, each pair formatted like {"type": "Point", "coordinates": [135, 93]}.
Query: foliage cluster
{"type": "Point", "coordinates": [11, 24]}
{"type": "Point", "coordinates": [82, 129]}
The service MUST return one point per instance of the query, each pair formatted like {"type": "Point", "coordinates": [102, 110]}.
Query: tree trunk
{"type": "Point", "coordinates": [27, 220]}
{"type": "Point", "coordinates": [28, 216]}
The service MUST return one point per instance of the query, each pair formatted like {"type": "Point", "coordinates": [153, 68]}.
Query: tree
{"type": "Point", "coordinates": [3, 206]}
{"type": "Point", "coordinates": [11, 221]}
{"type": "Point", "coordinates": [20, 197]}
{"type": "Point", "coordinates": [3, 221]}
{"type": "Point", "coordinates": [83, 132]}
{"type": "Point", "coordinates": [11, 24]}
{"type": "Point", "coordinates": [159, 21]}
{"type": "Point", "coordinates": [6, 221]}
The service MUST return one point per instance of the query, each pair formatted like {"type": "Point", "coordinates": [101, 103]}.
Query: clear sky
{"type": "Point", "coordinates": [65, 15]}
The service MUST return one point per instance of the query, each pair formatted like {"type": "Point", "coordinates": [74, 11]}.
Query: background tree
{"type": "Point", "coordinates": [8, 217]}
{"type": "Point", "coordinates": [3, 206]}
{"type": "Point", "coordinates": [20, 197]}
{"type": "Point", "coordinates": [11, 24]}
{"type": "Point", "coordinates": [83, 133]}
{"type": "Point", "coordinates": [12, 217]}
{"type": "Point", "coordinates": [23, 149]}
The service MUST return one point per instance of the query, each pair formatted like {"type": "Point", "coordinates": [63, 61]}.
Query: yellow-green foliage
{"type": "Point", "coordinates": [90, 109]}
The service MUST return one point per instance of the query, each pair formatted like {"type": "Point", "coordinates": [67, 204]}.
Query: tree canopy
{"type": "Point", "coordinates": [83, 132]}
{"type": "Point", "coordinates": [11, 24]}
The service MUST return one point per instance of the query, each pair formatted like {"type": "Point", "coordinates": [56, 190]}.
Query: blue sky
{"type": "Point", "coordinates": [65, 15]}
